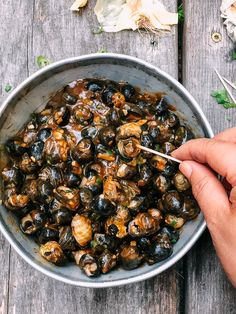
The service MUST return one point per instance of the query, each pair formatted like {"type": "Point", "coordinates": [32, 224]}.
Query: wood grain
{"type": "Point", "coordinates": [50, 29]}
{"type": "Point", "coordinates": [207, 290]}
{"type": "Point", "coordinates": [13, 68]}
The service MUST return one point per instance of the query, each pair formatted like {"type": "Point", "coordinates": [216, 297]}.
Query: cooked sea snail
{"type": "Point", "coordinates": [85, 192]}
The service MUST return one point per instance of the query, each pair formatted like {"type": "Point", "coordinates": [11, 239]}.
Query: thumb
{"type": "Point", "coordinates": [208, 191]}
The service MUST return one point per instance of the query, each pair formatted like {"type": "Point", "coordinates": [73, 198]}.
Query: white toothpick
{"type": "Point", "coordinates": [158, 153]}
{"type": "Point", "coordinates": [225, 86]}
{"type": "Point", "coordinates": [230, 83]}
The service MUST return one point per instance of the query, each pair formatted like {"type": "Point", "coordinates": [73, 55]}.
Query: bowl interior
{"type": "Point", "coordinates": [33, 94]}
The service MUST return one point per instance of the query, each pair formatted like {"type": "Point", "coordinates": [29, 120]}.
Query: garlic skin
{"type": "Point", "coordinates": [78, 4]}
{"type": "Point", "coordinates": [118, 15]}
{"type": "Point", "coordinates": [228, 12]}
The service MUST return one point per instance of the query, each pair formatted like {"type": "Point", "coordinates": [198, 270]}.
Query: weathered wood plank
{"type": "Point", "coordinates": [58, 33]}
{"type": "Point", "coordinates": [207, 289]}
{"type": "Point", "coordinates": [13, 69]}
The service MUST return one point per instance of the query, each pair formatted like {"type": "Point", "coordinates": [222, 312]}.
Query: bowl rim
{"type": "Point", "coordinates": [118, 282]}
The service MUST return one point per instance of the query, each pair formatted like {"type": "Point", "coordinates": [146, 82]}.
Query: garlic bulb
{"type": "Point", "coordinates": [78, 4]}
{"type": "Point", "coordinates": [117, 15]}
{"type": "Point", "coordinates": [228, 12]}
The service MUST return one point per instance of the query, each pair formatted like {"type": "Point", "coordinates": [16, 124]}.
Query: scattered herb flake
{"type": "Point", "coordinates": [222, 98]}
{"type": "Point", "coordinates": [228, 119]}
{"type": "Point", "coordinates": [234, 55]}
{"type": "Point", "coordinates": [173, 223]}
{"type": "Point", "coordinates": [109, 152]}
{"type": "Point", "coordinates": [99, 181]}
{"type": "Point", "coordinates": [97, 31]}
{"type": "Point", "coordinates": [8, 88]}
{"type": "Point", "coordinates": [102, 50]}
{"type": "Point", "coordinates": [42, 61]}
{"type": "Point", "coordinates": [181, 13]}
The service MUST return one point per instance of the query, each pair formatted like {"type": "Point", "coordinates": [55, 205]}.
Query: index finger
{"type": "Point", "coordinates": [219, 155]}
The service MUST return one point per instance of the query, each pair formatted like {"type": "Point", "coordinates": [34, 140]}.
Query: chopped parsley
{"type": "Point", "coordinates": [109, 152]}
{"type": "Point", "coordinates": [228, 119]}
{"type": "Point", "coordinates": [99, 181]}
{"type": "Point", "coordinates": [173, 223]}
{"type": "Point", "coordinates": [97, 31]}
{"type": "Point", "coordinates": [234, 55]}
{"type": "Point", "coordinates": [42, 61]}
{"type": "Point", "coordinates": [181, 13]}
{"type": "Point", "coordinates": [8, 88]}
{"type": "Point", "coordinates": [222, 98]}
{"type": "Point", "coordinates": [102, 50]}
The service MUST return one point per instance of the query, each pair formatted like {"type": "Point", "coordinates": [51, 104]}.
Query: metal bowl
{"type": "Point", "coordinates": [33, 94]}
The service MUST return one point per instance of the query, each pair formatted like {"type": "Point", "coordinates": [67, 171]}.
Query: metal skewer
{"type": "Point", "coordinates": [225, 86]}
{"type": "Point", "coordinates": [159, 154]}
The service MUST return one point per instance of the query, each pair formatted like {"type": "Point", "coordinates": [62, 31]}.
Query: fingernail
{"type": "Point", "coordinates": [186, 169]}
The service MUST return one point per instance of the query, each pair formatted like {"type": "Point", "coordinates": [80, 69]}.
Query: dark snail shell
{"type": "Point", "coordinates": [143, 225]}
{"type": "Point", "coordinates": [128, 91]}
{"type": "Point", "coordinates": [62, 216]}
{"type": "Point", "coordinates": [69, 99]}
{"type": "Point", "coordinates": [126, 172]}
{"type": "Point", "coordinates": [53, 253]}
{"type": "Point", "coordinates": [102, 206]}
{"type": "Point", "coordinates": [130, 256]}
{"type": "Point", "coordinates": [66, 239]}
{"type": "Point", "coordinates": [52, 174]}
{"type": "Point", "coordinates": [128, 147]}
{"type": "Point", "coordinates": [107, 136]}
{"type": "Point", "coordinates": [144, 175]}
{"type": "Point", "coordinates": [107, 95]}
{"type": "Point", "coordinates": [36, 151]}
{"type": "Point", "coordinates": [181, 182]}
{"type": "Point", "coordinates": [162, 183]}
{"type": "Point", "coordinates": [82, 114]}
{"type": "Point", "coordinates": [94, 86]}
{"type": "Point", "coordinates": [107, 261]}
{"type": "Point", "coordinates": [89, 265]}
{"type": "Point", "coordinates": [172, 202]}
{"type": "Point", "coordinates": [15, 148]}
{"type": "Point", "coordinates": [61, 116]}
{"type": "Point", "coordinates": [138, 204]}
{"type": "Point", "coordinates": [182, 135]}
{"type": "Point", "coordinates": [190, 209]}
{"type": "Point", "coordinates": [43, 134]}
{"type": "Point", "coordinates": [33, 222]}
{"type": "Point", "coordinates": [12, 175]}
{"type": "Point", "coordinates": [84, 150]}
{"type": "Point", "coordinates": [27, 165]}
{"type": "Point", "coordinates": [160, 106]}
{"type": "Point", "coordinates": [159, 252]}
{"type": "Point", "coordinates": [48, 233]}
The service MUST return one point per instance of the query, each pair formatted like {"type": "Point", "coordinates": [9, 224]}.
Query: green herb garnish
{"type": "Point", "coordinates": [181, 13]}
{"type": "Point", "coordinates": [99, 181]}
{"type": "Point", "coordinates": [42, 61]}
{"type": "Point", "coordinates": [97, 31]}
{"type": "Point", "coordinates": [102, 50]}
{"type": "Point", "coordinates": [234, 55]}
{"type": "Point", "coordinates": [222, 98]}
{"type": "Point", "coordinates": [109, 152]}
{"type": "Point", "coordinates": [228, 119]}
{"type": "Point", "coordinates": [8, 88]}
{"type": "Point", "coordinates": [173, 223]}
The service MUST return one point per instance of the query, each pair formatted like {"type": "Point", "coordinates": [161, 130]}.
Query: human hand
{"type": "Point", "coordinates": [200, 157]}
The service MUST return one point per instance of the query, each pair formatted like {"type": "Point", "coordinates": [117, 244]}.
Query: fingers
{"type": "Point", "coordinates": [228, 135]}
{"type": "Point", "coordinates": [208, 191]}
{"type": "Point", "coordinates": [232, 198]}
{"type": "Point", "coordinates": [219, 155]}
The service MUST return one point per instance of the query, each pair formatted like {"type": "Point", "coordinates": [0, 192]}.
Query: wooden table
{"type": "Point", "coordinates": [28, 28]}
